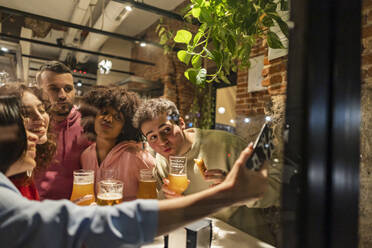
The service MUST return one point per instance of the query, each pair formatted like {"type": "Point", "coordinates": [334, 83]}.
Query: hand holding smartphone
{"type": "Point", "coordinates": [262, 148]}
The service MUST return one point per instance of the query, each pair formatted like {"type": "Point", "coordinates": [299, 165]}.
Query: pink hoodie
{"type": "Point", "coordinates": [56, 181]}
{"type": "Point", "coordinates": [126, 158]}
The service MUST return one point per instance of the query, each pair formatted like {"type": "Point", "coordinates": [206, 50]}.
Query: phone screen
{"type": "Point", "coordinates": [262, 148]}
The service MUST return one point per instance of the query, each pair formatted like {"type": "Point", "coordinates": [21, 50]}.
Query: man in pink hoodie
{"type": "Point", "coordinates": [55, 182]}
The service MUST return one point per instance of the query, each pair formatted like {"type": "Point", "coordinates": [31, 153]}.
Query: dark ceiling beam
{"type": "Point", "coordinates": [77, 49]}
{"type": "Point", "coordinates": [37, 57]}
{"type": "Point", "coordinates": [48, 59]}
{"type": "Point", "coordinates": [75, 76]}
{"type": "Point", "coordinates": [152, 9]}
{"type": "Point", "coordinates": [76, 26]}
{"type": "Point", "coordinates": [120, 71]}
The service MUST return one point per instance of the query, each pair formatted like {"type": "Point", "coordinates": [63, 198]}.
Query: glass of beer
{"type": "Point", "coordinates": [110, 192]}
{"type": "Point", "coordinates": [83, 187]}
{"type": "Point", "coordinates": [177, 174]}
{"type": "Point", "coordinates": [147, 184]}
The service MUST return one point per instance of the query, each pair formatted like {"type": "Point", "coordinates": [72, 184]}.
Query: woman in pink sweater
{"type": "Point", "coordinates": [107, 114]}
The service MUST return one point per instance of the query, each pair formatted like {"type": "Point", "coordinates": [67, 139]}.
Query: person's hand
{"type": "Point", "coordinates": [168, 193]}
{"type": "Point", "coordinates": [216, 176]}
{"type": "Point", "coordinates": [244, 184]}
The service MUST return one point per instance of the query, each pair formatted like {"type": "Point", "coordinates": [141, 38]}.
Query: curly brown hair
{"type": "Point", "coordinates": [116, 97]}
{"type": "Point", "coordinates": [46, 151]}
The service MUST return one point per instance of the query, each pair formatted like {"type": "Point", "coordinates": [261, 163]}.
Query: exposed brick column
{"type": "Point", "coordinates": [365, 206]}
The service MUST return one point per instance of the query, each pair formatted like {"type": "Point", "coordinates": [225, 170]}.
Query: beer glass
{"type": "Point", "coordinates": [110, 192]}
{"type": "Point", "coordinates": [108, 174]}
{"type": "Point", "coordinates": [83, 186]}
{"type": "Point", "coordinates": [177, 174]}
{"type": "Point", "coordinates": [147, 185]}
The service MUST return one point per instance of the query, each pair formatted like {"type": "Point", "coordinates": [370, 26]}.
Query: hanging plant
{"type": "Point", "coordinates": [202, 108]}
{"type": "Point", "coordinates": [228, 30]}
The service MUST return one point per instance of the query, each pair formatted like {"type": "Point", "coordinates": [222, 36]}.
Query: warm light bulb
{"type": "Point", "coordinates": [221, 110]}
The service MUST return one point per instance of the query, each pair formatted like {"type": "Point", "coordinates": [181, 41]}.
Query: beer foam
{"type": "Point", "coordinates": [109, 196]}
{"type": "Point", "coordinates": [148, 181]}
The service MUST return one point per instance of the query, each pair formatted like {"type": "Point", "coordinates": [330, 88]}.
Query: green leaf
{"type": "Point", "coordinates": [270, 7]}
{"type": "Point", "coordinates": [273, 40]}
{"type": "Point", "coordinates": [263, 3]}
{"type": "Point", "coordinates": [203, 27]}
{"type": "Point", "coordinates": [267, 21]}
{"type": "Point", "coordinates": [231, 43]}
{"type": "Point", "coordinates": [209, 54]}
{"type": "Point", "coordinates": [183, 56]}
{"type": "Point", "coordinates": [163, 39]}
{"type": "Point", "coordinates": [282, 24]}
{"type": "Point", "coordinates": [224, 78]}
{"type": "Point", "coordinates": [250, 23]}
{"type": "Point", "coordinates": [197, 37]}
{"type": "Point", "coordinates": [201, 76]}
{"type": "Point", "coordinates": [157, 28]}
{"type": "Point", "coordinates": [217, 57]}
{"type": "Point", "coordinates": [191, 74]}
{"type": "Point", "coordinates": [206, 16]}
{"type": "Point", "coordinates": [196, 61]}
{"type": "Point", "coordinates": [162, 30]}
{"type": "Point", "coordinates": [195, 12]}
{"type": "Point", "coordinates": [183, 36]}
{"type": "Point", "coordinates": [283, 5]}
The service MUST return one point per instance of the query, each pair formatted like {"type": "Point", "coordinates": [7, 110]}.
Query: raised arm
{"type": "Point", "coordinates": [239, 186]}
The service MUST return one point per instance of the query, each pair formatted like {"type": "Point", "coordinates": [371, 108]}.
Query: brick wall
{"type": "Point", "coordinates": [168, 69]}
{"type": "Point", "coordinates": [274, 77]}
{"type": "Point", "coordinates": [365, 206]}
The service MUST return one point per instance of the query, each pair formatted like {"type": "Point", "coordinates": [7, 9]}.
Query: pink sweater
{"type": "Point", "coordinates": [56, 181]}
{"type": "Point", "coordinates": [126, 158]}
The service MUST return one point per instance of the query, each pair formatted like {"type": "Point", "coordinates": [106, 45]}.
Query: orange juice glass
{"type": "Point", "coordinates": [83, 186]}
{"type": "Point", "coordinates": [177, 174]}
{"type": "Point", "coordinates": [147, 185]}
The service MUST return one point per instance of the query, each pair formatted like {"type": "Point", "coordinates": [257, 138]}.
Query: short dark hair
{"type": "Point", "coordinates": [11, 149]}
{"type": "Point", "coordinates": [110, 96]}
{"type": "Point", "coordinates": [54, 66]}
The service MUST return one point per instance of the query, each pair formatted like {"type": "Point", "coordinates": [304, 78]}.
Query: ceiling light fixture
{"type": "Point", "coordinates": [221, 110]}
{"type": "Point", "coordinates": [4, 49]}
{"type": "Point", "coordinates": [128, 8]}
{"type": "Point", "coordinates": [143, 44]}
{"type": "Point", "coordinates": [105, 66]}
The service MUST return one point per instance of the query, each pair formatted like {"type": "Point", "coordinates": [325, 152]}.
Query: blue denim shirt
{"type": "Point", "coordinates": [25, 223]}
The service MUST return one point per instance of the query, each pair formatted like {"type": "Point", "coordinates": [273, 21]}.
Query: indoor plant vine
{"type": "Point", "coordinates": [228, 29]}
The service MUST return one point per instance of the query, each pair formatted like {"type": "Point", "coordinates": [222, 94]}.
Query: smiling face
{"type": "Point", "coordinates": [59, 88]}
{"type": "Point", "coordinates": [108, 123]}
{"type": "Point", "coordinates": [36, 118]}
{"type": "Point", "coordinates": [165, 137]}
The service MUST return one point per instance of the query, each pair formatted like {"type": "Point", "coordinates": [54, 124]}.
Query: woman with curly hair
{"type": "Point", "coordinates": [107, 113]}
{"type": "Point", "coordinates": [36, 121]}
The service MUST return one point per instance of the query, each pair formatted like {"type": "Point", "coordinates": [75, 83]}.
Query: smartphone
{"type": "Point", "coordinates": [262, 148]}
